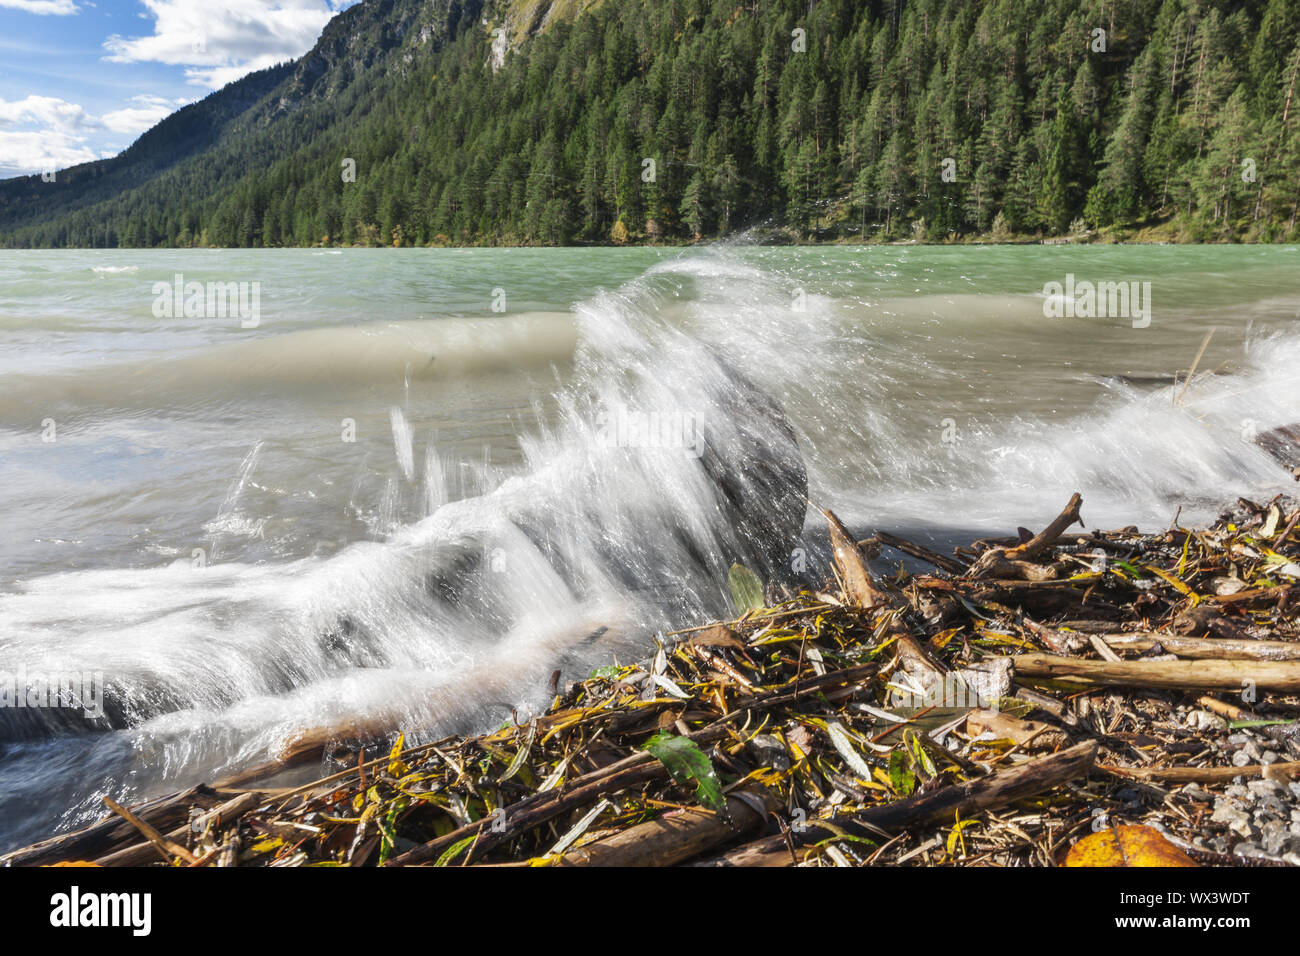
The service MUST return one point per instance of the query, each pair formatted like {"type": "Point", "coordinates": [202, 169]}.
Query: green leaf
{"type": "Point", "coordinates": [387, 840]}
{"type": "Point", "coordinates": [455, 849]}
{"type": "Point", "coordinates": [688, 764]}
{"type": "Point", "coordinates": [1238, 724]}
{"type": "Point", "coordinates": [609, 672]}
{"type": "Point", "coordinates": [901, 777]}
{"type": "Point", "coordinates": [746, 588]}
{"type": "Point", "coordinates": [922, 758]}
{"type": "Point", "coordinates": [521, 755]}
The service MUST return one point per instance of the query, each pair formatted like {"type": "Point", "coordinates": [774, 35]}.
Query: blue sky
{"type": "Point", "coordinates": [82, 79]}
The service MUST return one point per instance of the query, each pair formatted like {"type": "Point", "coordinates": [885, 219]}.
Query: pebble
{"type": "Point", "coordinates": [1250, 852]}
{"type": "Point", "coordinates": [771, 751]}
{"type": "Point", "coordinates": [1261, 787]}
{"type": "Point", "coordinates": [1203, 720]}
{"type": "Point", "coordinates": [1274, 838]}
{"type": "Point", "coordinates": [1193, 791]}
{"type": "Point", "coordinates": [1271, 804]}
{"type": "Point", "coordinates": [1257, 818]}
{"type": "Point", "coordinates": [1238, 820]}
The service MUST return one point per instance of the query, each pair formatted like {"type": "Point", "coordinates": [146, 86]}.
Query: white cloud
{"type": "Point", "coordinates": [57, 8]}
{"type": "Point", "coordinates": [40, 133]}
{"type": "Point", "coordinates": [218, 41]}
{"type": "Point", "coordinates": [147, 113]}
{"type": "Point", "coordinates": [45, 111]}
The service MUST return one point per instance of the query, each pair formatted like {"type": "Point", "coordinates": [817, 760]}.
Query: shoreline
{"type": "Point", "coordinates": [1112, 685]}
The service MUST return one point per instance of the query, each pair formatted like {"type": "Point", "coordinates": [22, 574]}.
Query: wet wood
{"type": "Point", "coordinates": [113, 832]}
{"type": "Point", "coordinates": [851, 564]}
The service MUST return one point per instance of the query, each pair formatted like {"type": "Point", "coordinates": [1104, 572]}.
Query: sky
{"type": "Point", "coordinates": [82, 79]}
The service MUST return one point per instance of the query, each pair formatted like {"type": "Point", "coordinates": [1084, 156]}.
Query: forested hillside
{"type": "Point", "coordinates": [465, 121]}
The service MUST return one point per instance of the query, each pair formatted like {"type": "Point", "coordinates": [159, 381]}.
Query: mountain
{"type": "Point", "coordinates": [556, 121]}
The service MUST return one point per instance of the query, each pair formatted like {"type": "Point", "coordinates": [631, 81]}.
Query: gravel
{"type": "Point", "coordinates": [1259, 818]}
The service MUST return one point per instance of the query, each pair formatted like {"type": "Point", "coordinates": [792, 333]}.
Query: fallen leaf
{"type": "Point", "coordinates": [1128, 845]}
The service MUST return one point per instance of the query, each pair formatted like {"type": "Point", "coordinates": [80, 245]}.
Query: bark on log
{"type": "Point", "coordinates": [1202, 648]}
{"type": "Point", "coordinates": [1175, 675]}
{"type": "Point", "coordinates": [674, 837]}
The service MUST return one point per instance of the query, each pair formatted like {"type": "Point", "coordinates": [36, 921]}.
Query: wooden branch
{"type": "Point", "coordinates": [168, 848]}
{"type": "Point", "coordinates": [995, 558]}
{"type": "Point", "coordinates": [142, 854]}
{"type": "Point", "coordinates": [1202, 774]}
{"type": "Point", "coordinates": [1174, 675]}
{"type": "Point", "coordinates": [674, 837]}
{"type": "Point", "coordinates": [951, 565]}
{"type": "Point", "coordinates": [925, 809]}
{"type": "Point", "coordinates": [1047, 537]}
{"type": "Point", "coordinates": [1202, 648]}
{"type": "Point", "coordinates": [851, 563]}
{"type": "Point", "coordinates": [113, 832]}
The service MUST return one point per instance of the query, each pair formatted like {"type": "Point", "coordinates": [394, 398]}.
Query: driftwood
{"type": "Point", "coordinates": [789, 711]}
{"type": "Point", "coordinates": [112, 832]}
{"type": "Point", "coordinates": [997, 559]}
{"type": "Point", "coordinates": [1204, 774]}
{"type": "Point", "coordinates": [628, 772]}
{"type": "Point", "coordinates": [307, 746]}
{"type": "Point", "coordinates": [143, 853]}
{"type": "Point", "coordinates": [951, 565]}
{"type": "Point", "coordinates": [1200, 648]}
{"type": "Point", "coordinates": [943, 805]}
{"type": "Point", "coordinates": [1175, 675]}
{"type": "Point", "coordinates": [674, 837]}
{"type": "Point", "coordinates": [851, 564]}
{"type": "Point", "coordinates": [167, 848]}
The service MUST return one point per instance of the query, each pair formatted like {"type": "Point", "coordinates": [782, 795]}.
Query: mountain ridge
{"type": "Point", "coordinates": [832, 119]}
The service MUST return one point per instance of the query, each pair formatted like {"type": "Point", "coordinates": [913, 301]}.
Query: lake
{"type": "Point", "coordinates": [260, 491]}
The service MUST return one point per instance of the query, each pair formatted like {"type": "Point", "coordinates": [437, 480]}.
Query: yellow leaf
{"type": "Point", "coordinates": [1128, 845]}
{"type": "Point", "coordinates": [1179, 585]}
{"type": "Point", "coordinates": [955, 835]}
{"type": "Point", "coordinates": [396, 767]}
